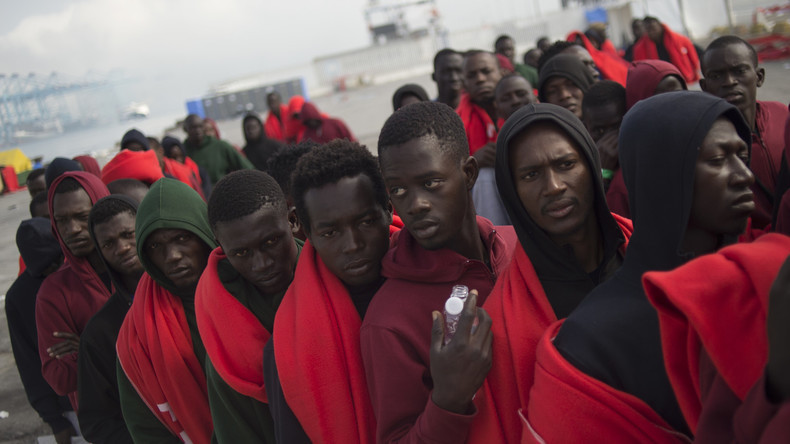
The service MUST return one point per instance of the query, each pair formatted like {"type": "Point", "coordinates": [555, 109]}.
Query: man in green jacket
{"type": "Point", "coordinates": [238, 296]}
{"type": "Point", "coordinates": [215, 156]}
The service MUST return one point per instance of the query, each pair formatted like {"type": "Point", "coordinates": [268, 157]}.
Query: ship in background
{"type": "Point", "coordinates": [392, 20]}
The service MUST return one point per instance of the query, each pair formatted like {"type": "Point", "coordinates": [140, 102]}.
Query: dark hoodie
{"type": "Point", "coordinates": [39, 250]}
{"type": "Point", "coordinates": [57, 167]}
{"type": "Point", "coordinates": [405, 90]}
{"type": "Point", "coordinates": [568, 66]}
{"type": "Point", "coordinates": [169, 204]}
{"type": "Point", "coordinates": [563, 279]}
{"type": "Point", "coordinates": [613, 335]}
{"type": "Point", "coordinates": [100, 417]}
{"type": "Point", "coordinates": [259, 151]}
{"type": "Point", "coordinates": [134, 135]}
{"type": "Point", "coordinates": [643, 78]}
{"type": "Point", "coordinates": [329, 130]}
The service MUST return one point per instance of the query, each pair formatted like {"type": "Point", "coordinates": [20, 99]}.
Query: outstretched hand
{"type": "Point", "coordinates": [459, 368]}
{"type": "Point", "coordinates": [70, 345]}
{"type": "Point", "coordinates": [778, 369]}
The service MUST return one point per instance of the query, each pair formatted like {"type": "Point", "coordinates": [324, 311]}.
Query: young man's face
{"type": "Point", "coordinates": [273, 101]}
{"type": "Point", "coordinates": [70, 212]}
{"type": "Point", "coordinates": [731, 75]}
{"type": "Point", "coordinates": [448, 74]}
{"type": "Point", "coordinates": [507, 48]}
{"type": "Point", "coordinates": [668, 84]}
{"type": "Point", "coordinates": [252, 130]}
{"type": "Point", "coordinates": [586, 58]}
{"type": "Point", "coordinates": [260, 246]}
{"type": "Point", "coordinates": [511, 94]}
{"type": "Point", "coordinates": [179, 254]}
{"type": "Point", "coordinates": [116, 242]}
{"type": "Point", "coordinates": [481, 75]}
{"type": "Point", "coordinates": [429, 189]}
{"type": "Point", "coordinates": [349, 229]}
{"type": "Point", "coordinates": [603, 119]}
{"type": "Point", "coordinates": [194, 129]}
{"type": "Point", "coordinates": [722, 200]}
{"type": "Point", "coordinates": [553, 180]}
{"type": "Point", "coordinates": [561, 91]}
{"type": "Point", "coordinates": [37, 185]}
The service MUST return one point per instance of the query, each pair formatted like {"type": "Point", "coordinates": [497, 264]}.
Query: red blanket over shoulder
{"type": "Point", "coordinates": [155, 351]}
{"type": "Point", "coordinates": [568, 406]}
{"type": "Point", "coordinates": [611, 65]}
{"type": "Point", "coordinates": [480, 129]}
{"type": "Point", "coordinates": [681, 51]}
{"type": "Point", "coordinates": [521, 315]}
{"type": "Point", "coordinates": [185, 174]}
{"type": "Point", "coordinates": [320, 367]}
{"type": "Point", "coordinates": [222, 320]}
{"type": "Point", "coordinates": [274, 127]}
{"type": "Point", "coordinates": [717, 303]}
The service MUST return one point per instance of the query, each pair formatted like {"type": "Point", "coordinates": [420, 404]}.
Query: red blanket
{"type": "Point", "coordinates": [184, 173]}
{"type": "Point", "coordinates": [222, 320]}
{"type": "Point", "coordinates": [521, 315]}
{"type": "Point", "coordinates": [140, 165]}
{"type": "Point", "coordinates": [155, 351]}
{"type": "Point", "coordinates": [568, 406]}
{"type": "Point", "coordinates": [480, 129]}
{"type": "Point", "coordinates": [681, 51]}
{"type": "Point", "coordinates": [274, 127]}
{"type": "Point", "coordinates": [717, 303]}
{"type": "Point", "coordinates": [611, 66]}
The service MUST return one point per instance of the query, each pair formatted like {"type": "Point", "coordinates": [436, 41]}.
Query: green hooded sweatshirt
{"type": "Point", "coordinates": [217, 157]}
{"type": "Point", "coordinates": [169, 204]}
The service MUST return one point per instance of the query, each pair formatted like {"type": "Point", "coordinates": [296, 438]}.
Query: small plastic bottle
{"type": "Point", "coordinates": [452, 311]}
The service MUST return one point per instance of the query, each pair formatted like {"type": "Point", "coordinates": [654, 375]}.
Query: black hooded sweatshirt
{"type": "Point", "coordinates": [562, 277]}
{"type": "Point", "coordinates": [100, 416]}
{"type": "Point", "coordinates": [39, 250]}
{"type": "Point", "coordinates": [613, 335]}
{"type": "Point", "coordinates": [259, 151]}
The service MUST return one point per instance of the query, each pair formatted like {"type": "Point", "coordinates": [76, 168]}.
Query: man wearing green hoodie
{"type": "Point", "coordinates": [161, 357]}
{"type": "Point", "coordinates": [217, 157]}
{"type": "Point", "coordinates": [238, 296]}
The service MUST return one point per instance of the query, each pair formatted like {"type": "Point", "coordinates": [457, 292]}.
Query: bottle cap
{"type": "Point", "coordinates": [460, 291]}
{"type": "Point", "coordinates": [454, 306]}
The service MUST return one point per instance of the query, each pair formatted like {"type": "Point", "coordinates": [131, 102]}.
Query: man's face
{"type": "Point", "coordinates": [177, 154]}
{"type": "Point", "coordinates": [70, 212]}
{"type": "Point", "coordinates": [37, 185]}
{"type": "Point", "coordinates": [116, 242]}
{"type": "Point", "coordinates": [638, 28]}
{"type": "Point", "coordinates": [349, 229]}
{"type": "Point", "coordinates": [586, 58]}
{"type": "Point", "coordinates": [253, 130]}
{"type": "Point", "coordinates": [654, 30]}
{"type": "Point", "coordinates": [511, 94]}
{"type": "Point", "coordinates": [208, 129]}
{"type": "Point", "coordinates": [553, 181]}
{"type": "Point", "coordinates": [722, 200]}
{"type": "Point", "coordinates": [668, 84]}
{"type": "Point", "coordinates": [179, 254]}
{"type": "Point", "coordinates": [561, 91]}
{"type": "Point", "coordinates": [260, 246]}
{"type": "Point", "coordinates": [194, 129]}
{"type": "Point", "coordinates": [481, 74]}
{"type": "Point", "coordinates": [448, 75]}
{"type": "Point", "coordinates": [507, 48]}
{"type": "Point", "coordinates": [429, 190]}
{"type": "Point", "coordinates": [600, 120]}
{"type": "Point", "coordinates": [40, 210]}
{"type": "Point", "coordinates": [273, 101]}
{"type": "Point", "coordinates": [730, 74]}
{"type": "Point", "coordinates": [532, 57]}
{"type": "Point", "coordinates": [134, 146]}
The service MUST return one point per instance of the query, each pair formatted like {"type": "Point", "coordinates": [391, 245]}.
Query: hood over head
{"type": "Point", "coordinates": [410, 88]}
{"type": "Point", "coordinates": [170, 142]}
{"type": "Point", "coordinates": [251, 116]}
{"type": "Point", "coordinates": [556, 267]}
{"type": "Point", "coordinates": [115, 277]}
{"type": "Point", "coordinates": [37, 245]}
{"type": "Point", "coordinates": [643, 78]}
{"type": "Point", "coordinates": [134, 135]}
{"type": "Point", "coordinates": [170, 204]}
{"type": "Point", "coordinates": [295, 105]}
{"type": "Point", "coordinates": [310, 112]}
{"type": "Point", "coordinates": [568, 66]}
{"type": "Point", "coordinates": [58, 166]}
{"type": "Point", "coordinates": [89, 164]}
{"type": "Point", "coordinates": [141, 165]}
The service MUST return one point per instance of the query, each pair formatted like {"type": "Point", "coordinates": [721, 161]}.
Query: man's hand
{"type": "Point", "coordinates": [459, 368]}
{"type": "Point", "coordinates": [486, 155]}
{"type": "Point", "coordinates": [64, 436]}
{"type": "Point", "coordinates": [70, 345]}
{"type": "Point", "coordinates": [607, 150]}
{"type": "Point", "coordinates": [778, 320]}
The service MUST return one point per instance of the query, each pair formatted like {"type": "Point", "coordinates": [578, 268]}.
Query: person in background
{"type": "Point", "coordinates": [448, 75]}
{"type": "Point", "coordinates": [647, 78]}
{"type": "Point", "coordinates": [276, 119]}
{"type": "Point", "coordinates": [531, 58]}
{"type": "Point", "coordinates": [574, 49]}
{"type": "Point", "coordinates": [477, 111]}
{"type": "Point", "coordinates": [563, 82]}
{"type": "Point", "coordinates": [408, 94]}
{"type": "Point", "coordinates": [506, 46]}
{"type": "Point", "coordinates": [57, 167]}
{"type": "Point", "coordinates": [637, 29]}
{"type": "Point", "coordinates": [89, 164]}
{"type": "Point", "coordinates": [661, 43]}
{"type": "Point", "coordinates": [607, 61]}
{"type": "Point", "coordinates": [173, 149]}
{"type": "Point", "coordinates": [320, 128]}
{"type": "Point", "coordinates": [260, 147]}
{"type": "Point", "coordinates": [217, 157]}
{"type": "Point", "coordinates": [294, 128]}
{"type": "Point", "coordinates": [36, 182]}
{"type": "Point", "coordinates": [543, 43]}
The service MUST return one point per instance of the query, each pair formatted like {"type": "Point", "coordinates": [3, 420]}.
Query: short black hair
{"type": "Point", "coordinates": [555, 49]}
{"type": "Point", "coordinates": [727, 40]}
{"type": "Point", "coordinates": [39, 199]}
{"type": "Point", "coordinates": [281, 165]}
{"type": "Point", "coordinates": [424, 119]}
{"type": "Point", "coordinates": [123, 186]}
{"type": "Point", "coordinates": [525, 57]}
{"type": "Point", "coordinates": [443, 53]}
{"type": "Point", "coordinates": [650, 18]}
{"type": "Point", "coordinates": [328, 164]}
{"type": "Point", "coordinates": [512, 75]}
{"type": "Point", "coordinates": [474, 52]}
{"type": "Point", "coordinates": [242, 193]}
{"type": "Point", "coordinates": [501, 39]}
{"type": "Point", "coordinates": [68, 185]}
{"type": "Point", "coordinates": [107, 208]}
{"type": "Point", "coordinates": [35, 174]}
{"type": "Point", "coordinates": [604, 93]}
{"type": "Point", "coordinates": [541, 39]}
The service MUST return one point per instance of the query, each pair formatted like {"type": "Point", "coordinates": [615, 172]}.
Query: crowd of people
{"type": "Point", "coordinates": [623, 241]}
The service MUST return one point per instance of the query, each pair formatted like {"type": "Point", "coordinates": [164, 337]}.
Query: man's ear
{"type": "Point", "coordinates": [293, 220]}
{"type": "Point", "coordinates": [471, 169]}
{"type": "Point", "coordinates": [760, 76]}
